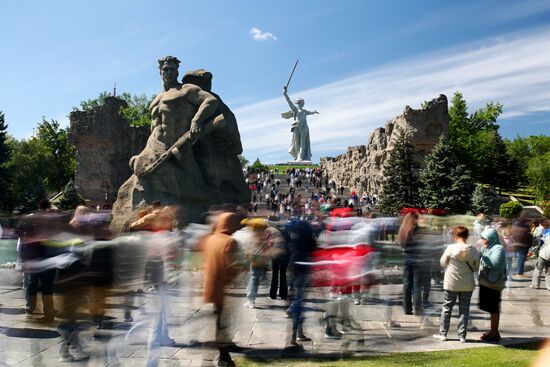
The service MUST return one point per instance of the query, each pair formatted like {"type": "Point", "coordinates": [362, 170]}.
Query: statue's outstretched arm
{"type": "Point", "coordinates": [290, 104]}
{"type": "Point", "coordinates": [311, 112]}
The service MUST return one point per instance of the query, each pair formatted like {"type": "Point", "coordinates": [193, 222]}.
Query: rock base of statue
{"type": "Point", "coordinates": [190, 201]}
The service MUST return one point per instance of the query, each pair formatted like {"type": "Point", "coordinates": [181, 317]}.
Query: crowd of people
{"type": "Point", "coordinates": [318, 244]}
{"type": "Point", "coordinates": [307, 192]}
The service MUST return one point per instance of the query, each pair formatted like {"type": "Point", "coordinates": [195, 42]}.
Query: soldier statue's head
{"type": "Point", "coordinates": [169, 71]}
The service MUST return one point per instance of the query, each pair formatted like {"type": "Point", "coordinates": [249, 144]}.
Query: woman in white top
{"type": "Point", "coordinates": [460, 260]}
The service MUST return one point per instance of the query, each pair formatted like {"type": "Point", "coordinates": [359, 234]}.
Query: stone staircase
{"type": "Point", "coordinates": [263, 210]}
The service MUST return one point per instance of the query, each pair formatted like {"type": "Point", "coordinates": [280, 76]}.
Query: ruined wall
{"type": "Point", "coordinates": [104, 142]}
{"type": "Point", "coordinates": [361, 167]}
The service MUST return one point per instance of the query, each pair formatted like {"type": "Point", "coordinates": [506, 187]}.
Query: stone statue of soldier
{"type": "Point", "coordinates": [168, 169]}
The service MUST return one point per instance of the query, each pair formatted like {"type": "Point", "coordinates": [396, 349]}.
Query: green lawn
{"type": "Point", "coordinates": [515, 356]}
{"type": "Point", "coordinates": [283, 168]}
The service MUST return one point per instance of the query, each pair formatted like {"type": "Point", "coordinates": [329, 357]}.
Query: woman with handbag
{"type": "Point", "coordinates": [492, 279]}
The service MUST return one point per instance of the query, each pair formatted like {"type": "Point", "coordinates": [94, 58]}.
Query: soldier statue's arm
{"type": "Point", "coordinates": [204, 121]}
{"type": "Point", "coordinates": [207, 105]}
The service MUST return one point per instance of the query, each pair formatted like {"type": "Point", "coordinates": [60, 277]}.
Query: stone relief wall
{"type": "Point", "coordinates": [104, 142]}
{"type": "Point", "coordinates": [361, 167]}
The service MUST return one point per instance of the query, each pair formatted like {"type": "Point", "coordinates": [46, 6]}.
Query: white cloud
{"type": "Point", "coordinates": [258, 35]}
{"type": "Point", "coordinates": [513, 70]}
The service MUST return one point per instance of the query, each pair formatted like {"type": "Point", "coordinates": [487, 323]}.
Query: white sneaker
{"type": "Point", "coordinates": [440, 337]}
{"type": "Point", "coordinates": [250, 304]}
{"type": "Point", "coordinates": [462, 340]}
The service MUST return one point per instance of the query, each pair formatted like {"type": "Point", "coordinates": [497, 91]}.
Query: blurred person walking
{"type": "Point", "coordinates": [521, 234]}
{"type": "Point", "coordinates": [414, 275]}
{"type": "Point", "coordinates": [460, 260]}
{"type": "Point", "coordinates": [35, 232]}
{"type": "Point", "coordinates": [506, 240]}
{"type": "Point", "coordinates": [301, 246]}
{"type": "Point", "coordinates": [543, 261]}
{"type": "Point", "coordinates": [279, 263]}
{"type": "Point", "coordinates": [220, 269]}
{"type": "Point", "coordinates": [259, 252]}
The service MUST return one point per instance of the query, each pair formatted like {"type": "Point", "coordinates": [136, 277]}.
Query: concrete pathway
{"type": "Point", "coordinates": [263, 332]}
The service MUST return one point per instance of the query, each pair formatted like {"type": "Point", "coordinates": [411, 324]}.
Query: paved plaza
{"type": "Point", "coordinates": [263, 332]}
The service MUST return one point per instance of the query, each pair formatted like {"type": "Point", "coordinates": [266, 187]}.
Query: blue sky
{"type": "Point", "coordinates": [361, 62]}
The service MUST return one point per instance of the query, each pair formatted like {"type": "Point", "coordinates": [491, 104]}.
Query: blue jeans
{"type": "Point", "coordinates": [253, 282]}
{"type": "Point", "coordinates": [414, 278]}
{"type": "Point", "coordinates": [521, 253]}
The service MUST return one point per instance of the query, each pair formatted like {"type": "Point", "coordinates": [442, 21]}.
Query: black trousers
{"type": "Point", "coordinates": [278, 278]}
{"type": "Point", "coordinates": [46, 279]}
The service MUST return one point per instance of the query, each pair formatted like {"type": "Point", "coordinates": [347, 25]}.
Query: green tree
{"type": "Point", "coordinates": [445, 183]}
{"type": "Point", "coordinates": [5, 153]}
{"type": "Point", "coordinates": [30, 166]}
{"type": "Point", "coordinates": [90, 104]}
{"type": "Point", "coordinates": [494, 164]}
{"type": "Point", "coordinates": [523, 149]}
{"type": "Point", "coordinates": [470, 134]}
{"type": "Point", "coordinates": [63, 154]}
{"type": "Point", "coordinates": [71, 198]}
{"type": "Point", "coordinates": [538, 175]}
{"type": "Point", "coordinates": [400, 185]}
{"type": "Point", "coordinates": [258, 166]}
{"type": "Point", "coordinates": [243, 160]}
{"type": "Point", "coordinates": [30, 198]}
{"type": "Point", "coordinates": [545, 206]}
{"type": "Point", "coordinates": [480, 201]}
{"type": "Point", "coordinates": [137, 110]}
{"type": "Point", "coordinates": [510, 210]}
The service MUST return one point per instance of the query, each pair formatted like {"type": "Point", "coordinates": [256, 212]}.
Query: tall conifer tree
{"type": "Point", "coordinates": [445, 183]}
{"type": "Point", "coordinates": [400, 185]}
{"type": "Point", "coordinates": [5, 153]}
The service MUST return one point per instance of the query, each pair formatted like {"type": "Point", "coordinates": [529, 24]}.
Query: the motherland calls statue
{"type": "Point", "coordinates": [300, 147]}
{"type": "Point", "coordinates": [191, 155]}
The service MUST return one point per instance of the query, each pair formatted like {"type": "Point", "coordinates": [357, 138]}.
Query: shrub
{"type": "Point", "coordinates": [510, 210]}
